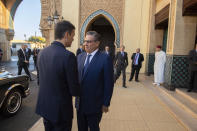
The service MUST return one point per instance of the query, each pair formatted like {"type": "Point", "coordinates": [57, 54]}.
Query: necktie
{"type": "Point", "coordinates": [135, 61]}
{"type": "Point", "coordinates": [122, 53]}
{"type": "Point", "coordinates": [86, 64]}
{"type": "Point", "coordinates": [24, 53]}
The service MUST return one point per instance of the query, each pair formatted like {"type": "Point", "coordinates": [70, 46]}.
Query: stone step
{"type": "Point", "coordinates": [185, 101]}
{"type": "Point", "coordinates": [191, 96]}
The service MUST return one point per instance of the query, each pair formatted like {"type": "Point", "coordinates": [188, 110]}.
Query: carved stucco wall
{"type": "Point", "coordinates": [114, 8]}
{"type": "Point", "coordinates": [48, 9]}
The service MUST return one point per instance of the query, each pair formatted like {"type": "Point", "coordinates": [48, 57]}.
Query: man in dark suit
{"type": "Point", "coordinates": [79, 50]}
{"type": "Point", "coordinates": [1, 55]}
{"type": "Point", "coordinates": [23, 61]}
{"type": "Point", "coordinates": [58, 80]}
{"type": "Point", "coordinates": [28, 52]}
{"type": "Point", "coordinates": [96, 80]}
{"type": "Point", "coordinates": [121, 63]}
{"type": "Point", "coordinates": [108, 52]}
{"type": "Point", "coordinates": [193, 69]}
{"type": "Point", "coordinates": [137, 59]}
{"type": "Point", "coordinates": [35, 55]}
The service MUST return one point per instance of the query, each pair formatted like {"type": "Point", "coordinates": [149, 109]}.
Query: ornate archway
{"type": "Point", "coordinates": [47, 9]}
{"type": "Point", "coordinates": [109, 17]}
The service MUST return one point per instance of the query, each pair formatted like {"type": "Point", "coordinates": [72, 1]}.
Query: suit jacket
{"type": "Point", "coordinates": [192, 58]}
{"type": "Point", "coordinates": [28, 54]}
{"type": "Point", "coordinates": [1, 53]}
{"type": "Point", "coordinates": [58, 80]}
{"type": "Point", "coordinates": [21, 57]}
{"type": "Point", "coordinates": [35, 53]}
{"type": "Point", "coordinates": [110, 54]}
{"type": "Point", "coordinates": [140, 59]}
{"type": "Point", "coordinates": [96, 83]}
{"type": "Point", "coordinates": [121, 61]}
{"type": "Point", "coordinates": [79, 51]}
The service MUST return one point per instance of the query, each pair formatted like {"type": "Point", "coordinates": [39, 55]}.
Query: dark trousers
{"type": "Point", "coordinates": [62, 126]}
{"type": "Point", "coordinates": [85, 121]}
{"type": "Point", "coordinates": [135, 70]}
{"type": "Point", "coordinates": [25, 69]}
{"type": "Point", "coordinates": [118, 73]}
{"type": "Point", "coordinates": [193, 80]}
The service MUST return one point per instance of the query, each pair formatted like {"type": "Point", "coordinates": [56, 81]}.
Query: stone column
{"type": "Point", "coordinates": [182, 33]}
{"type": "Point", "coordinates": [5, 37]}
{"type": "Point", "coordinates": [155, 37]}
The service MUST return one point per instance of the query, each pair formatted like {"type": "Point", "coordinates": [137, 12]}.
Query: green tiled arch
{"type": "Point", "coordinates": [93, 15]}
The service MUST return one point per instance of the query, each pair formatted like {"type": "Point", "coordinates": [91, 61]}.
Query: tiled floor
{"type": "Point", "coordinates": [132, 109]}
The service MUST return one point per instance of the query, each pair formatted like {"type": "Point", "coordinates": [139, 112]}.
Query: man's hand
{"type": "Point", "coordinates": [26, 61]}
{"type": "Point", "coordinates": [105, 109]}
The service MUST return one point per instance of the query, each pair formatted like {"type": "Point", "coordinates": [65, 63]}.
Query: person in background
{"type": "Point", "coordinates": [137, 59]}
{"type": "Point", "coordinates": [80, 50]}
{"type": "Point", "coordinates": [35, 55]}
{"type": "Point", "coordinates": [121, 63]}
{"type": "Point", "coordinates": [23, 61]}
{"type": "Point", "coordinates": [159, 65]}
{"type": "Point", "coordinates": [108, 52]}
{"type": "Point", "coordinates": [1, 55]}
{"type": "Point", "coordinates": [192, 58]}
{"type": "Point", "coordinates": [28, 54]}
{"type": "Point", "coordinates": [58, 80]}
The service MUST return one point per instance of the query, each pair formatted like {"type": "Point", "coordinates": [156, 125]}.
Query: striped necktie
{"type": "Point", "coordinates": [86, 64]}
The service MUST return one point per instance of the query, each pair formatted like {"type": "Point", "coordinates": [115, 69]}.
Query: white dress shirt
{"type": "Point", "coordinates": [91, 57]}
{"type": "Point", "coordinates": [136, 58]}
{"type": "Point", "coordinates": [23, 53]}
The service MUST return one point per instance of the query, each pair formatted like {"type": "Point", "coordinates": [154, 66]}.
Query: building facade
{"type": "Point", "coordinates": [7, 12]}
{"type": "Point", "coordinates": [134, 23]}
{"type": "Point", "coordinates": [172, 24]}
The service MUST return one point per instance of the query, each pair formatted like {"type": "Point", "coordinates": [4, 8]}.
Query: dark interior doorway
{"type": "Point", "coordinates": [106, 30]}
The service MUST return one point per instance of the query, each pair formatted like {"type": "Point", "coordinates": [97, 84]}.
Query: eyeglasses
{"type": "Point", "coordinates": [89, 41]}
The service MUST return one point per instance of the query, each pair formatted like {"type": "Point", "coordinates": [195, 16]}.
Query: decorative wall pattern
{"type": "Point", "coordinates": [180, 73]}
{"type": "Point", "coordinates": [168, 70]}
{"type": "Point", "coordinates": [176, 71]}
{"type": "Point", "coordinates": [110, 8]}
{"type": "Point", "coordinates": [99, 12]}
{"type": "Point", "coordinates": [150, 63]}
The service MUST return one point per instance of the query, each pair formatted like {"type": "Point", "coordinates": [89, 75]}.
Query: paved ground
{"type": "Point", "coordinates": [134, 108]}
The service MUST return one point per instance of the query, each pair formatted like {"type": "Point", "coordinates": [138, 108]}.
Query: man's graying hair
{"type": "Point", "coordinates": [96, 35]}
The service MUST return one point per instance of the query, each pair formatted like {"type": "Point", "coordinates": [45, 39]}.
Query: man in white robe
{"type": "Point", "coordinates": [159, 65]}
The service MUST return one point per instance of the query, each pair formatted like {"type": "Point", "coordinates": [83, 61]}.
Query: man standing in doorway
{"type": "Point", "coordinates": [121, 63]}
{"type": "Point", "coordinates": [80, 50]}
{"type": "Point", "coordinates": [96, 82]}
{"type": "Point", "coordinates": [108, 52]}
{"type": "Point", "coordinates": [23, 61]}
{"type": "Point", "coordinates": [159, 65]}
{"type": "Point", "coordinates": [193, 69]}
{"type": "Point", "coordinates": [137, 59]}
{"type": "Point", "coordinates": [58, 80]}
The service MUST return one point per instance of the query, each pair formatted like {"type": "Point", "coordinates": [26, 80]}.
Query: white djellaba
{"type": "Point", "coordinates": [159, 65]}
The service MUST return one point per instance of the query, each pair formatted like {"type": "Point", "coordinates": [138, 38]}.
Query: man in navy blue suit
{"type": "Point", "coordinates": [96, 82]}
{"type": "Point", "coordinates": [58, 80]}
